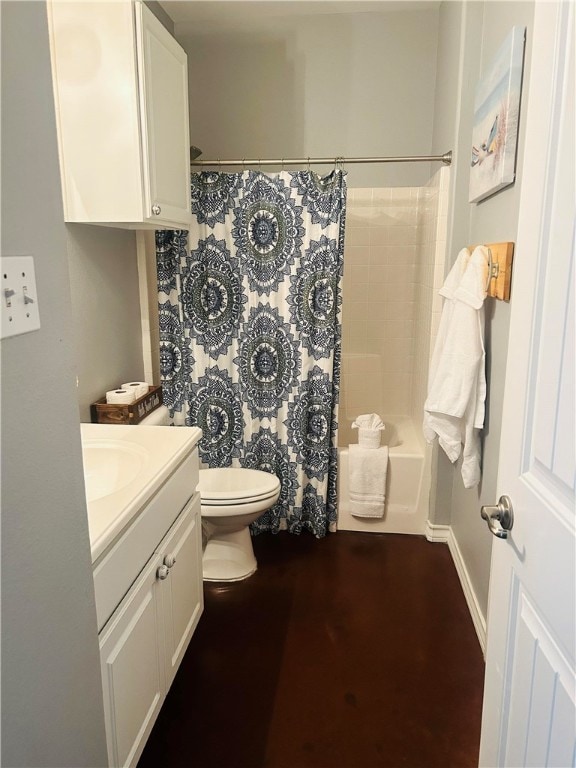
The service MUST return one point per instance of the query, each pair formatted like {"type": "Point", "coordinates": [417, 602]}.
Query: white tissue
{"type": "Point", "coordinates": [140, 388]}
{"type": "Point", "coordinates": [120, 396]}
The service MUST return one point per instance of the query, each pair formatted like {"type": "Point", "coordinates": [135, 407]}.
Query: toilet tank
{"type": "Point", "coordinates": [160, 417]}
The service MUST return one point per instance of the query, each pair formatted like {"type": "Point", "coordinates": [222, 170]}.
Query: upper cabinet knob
{"type": "Point", "coordinates": [169, 561]}
{"type": "Point", "coordinates": [156, 210]}
{"type": "Point", "coordinates": [163, 572]}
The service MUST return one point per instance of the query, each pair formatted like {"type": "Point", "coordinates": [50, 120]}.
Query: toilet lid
{"type": "Point", "coordinates": [236, 484]}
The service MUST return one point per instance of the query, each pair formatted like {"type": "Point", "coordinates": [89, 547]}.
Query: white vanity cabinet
{"type": "Point", "coordinates": [149, 598]}
{"type": "Point", "coordinates": [121, 97]}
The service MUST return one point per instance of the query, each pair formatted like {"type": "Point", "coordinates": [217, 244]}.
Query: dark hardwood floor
{"type": "Point", "coordinates": [353, 651]}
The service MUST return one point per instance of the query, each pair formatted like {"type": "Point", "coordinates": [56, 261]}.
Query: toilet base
{"type": "Point", "coordinates": [228, 556]}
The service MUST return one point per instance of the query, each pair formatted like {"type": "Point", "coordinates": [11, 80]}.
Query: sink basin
{"type": "Point", "coordinates": [124, 466]}
{"type": "Point", "coordinates": [110, 465]}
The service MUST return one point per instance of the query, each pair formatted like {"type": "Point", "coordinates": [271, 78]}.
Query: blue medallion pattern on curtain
{"type": "Point", "coordinates": [250, 332]}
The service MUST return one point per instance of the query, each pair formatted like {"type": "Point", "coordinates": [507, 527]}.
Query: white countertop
{"type": "Point", "coordinates": [160, 450]}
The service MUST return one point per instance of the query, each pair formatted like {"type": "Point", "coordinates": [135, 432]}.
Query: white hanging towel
{"type": "Point", "coordinates": [367, 469]}
{"type": "Point", "coordinates": [454, 408]}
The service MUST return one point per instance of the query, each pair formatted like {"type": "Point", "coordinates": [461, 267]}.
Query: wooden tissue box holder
{"type": "Point", "coordinates": [107, 413]}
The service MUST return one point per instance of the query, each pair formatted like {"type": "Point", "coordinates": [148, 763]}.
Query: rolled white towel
{"type": "Point", "coordinates": [368, 421]}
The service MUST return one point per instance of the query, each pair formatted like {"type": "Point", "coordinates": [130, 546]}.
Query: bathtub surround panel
{"type": "Point", "coordinates": [393, 266]}
{"type": "Point", "coordinates": [429, 278]}
{"type": "Point", "coordinates": [380, 261]}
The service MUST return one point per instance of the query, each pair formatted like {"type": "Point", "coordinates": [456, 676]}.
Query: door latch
{"type": "Point", "coordinates": [500, 518]}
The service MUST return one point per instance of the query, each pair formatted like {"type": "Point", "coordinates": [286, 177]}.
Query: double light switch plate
{"type": "Point", "coordinates": [18, 296]}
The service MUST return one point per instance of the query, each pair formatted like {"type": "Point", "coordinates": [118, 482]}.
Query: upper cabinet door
{"type": "Point", "coordinates": [121, 97]}
{"type": "Point", "coordinates": [163, 80]}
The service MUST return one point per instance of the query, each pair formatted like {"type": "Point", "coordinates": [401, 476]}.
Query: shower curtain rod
{"type": "Point", "coordinates": [446, 158]}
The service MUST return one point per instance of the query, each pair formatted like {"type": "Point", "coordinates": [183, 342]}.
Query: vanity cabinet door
{"type": "Point", "coordinates": [182, 591]}
{"type": "Point", "coordinates": [133, 668]}
{"type": "Point", "coordinates": [142, 644]}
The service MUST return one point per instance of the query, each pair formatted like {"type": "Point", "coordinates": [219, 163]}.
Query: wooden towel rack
{"type": "Point", "coordinates": [499, 270]}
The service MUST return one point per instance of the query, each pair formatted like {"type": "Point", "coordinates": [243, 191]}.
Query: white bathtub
{"type": "Point", "coordinates": [407, 482]}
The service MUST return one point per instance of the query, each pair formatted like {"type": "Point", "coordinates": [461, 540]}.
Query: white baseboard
{"type": "Point", "coordinates": [444, 533]}
{"type": "Point", "coordinates": [437, 532]}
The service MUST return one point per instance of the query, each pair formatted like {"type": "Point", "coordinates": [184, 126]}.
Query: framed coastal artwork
{"type": "Point", "coordinates": [496, 114]}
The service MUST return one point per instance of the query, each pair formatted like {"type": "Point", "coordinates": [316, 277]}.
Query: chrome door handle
{"type": "Point", "coordinates": [502, 514]}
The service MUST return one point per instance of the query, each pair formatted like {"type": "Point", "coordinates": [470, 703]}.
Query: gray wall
{"type": "Point", "coordinates": [343, 84]}
{"type": "Point", "coordinates": [106, 310]}
{"type": "Point", "coordinates": [471, 33]}
{"type": "Point", "coordinates": [52, 711]}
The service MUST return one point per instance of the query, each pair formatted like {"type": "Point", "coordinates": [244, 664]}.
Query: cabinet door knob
{"type": "Point", "coordinates": [163, 572]}
{"type": "Point", "coordinates": [156, 210]}
{"type": "Point", "coordinates": [169, 561]}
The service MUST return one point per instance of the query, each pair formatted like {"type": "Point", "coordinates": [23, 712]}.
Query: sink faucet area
{"type": "Point", "coordinates": [124, 466]}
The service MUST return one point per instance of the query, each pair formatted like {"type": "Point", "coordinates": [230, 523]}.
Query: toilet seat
{"type": "Point", "coordinates": [236, 486]}
{"type": "Point", "coordinates": [235, 502]}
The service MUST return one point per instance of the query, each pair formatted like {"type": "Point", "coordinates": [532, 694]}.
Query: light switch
{"type": "Point", "coordinates": [18, 296]}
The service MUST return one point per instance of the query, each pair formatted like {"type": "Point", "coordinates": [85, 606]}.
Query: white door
{"type": "Point", "coordinates": [529, 701]}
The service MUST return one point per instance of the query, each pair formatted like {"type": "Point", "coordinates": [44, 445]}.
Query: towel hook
{"type": "Point", "coordinates": [493, 269]}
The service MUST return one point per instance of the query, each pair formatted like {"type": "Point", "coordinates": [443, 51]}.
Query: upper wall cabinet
{"type": "Point", "coordinates": [121, 94]}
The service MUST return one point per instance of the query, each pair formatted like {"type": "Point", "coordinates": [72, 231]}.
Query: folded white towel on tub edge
{"type": "Point", "coordinates": [367, 468]}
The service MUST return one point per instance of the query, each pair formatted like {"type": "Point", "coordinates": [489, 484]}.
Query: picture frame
{"type": "Point", "coordinates": [496, 120]}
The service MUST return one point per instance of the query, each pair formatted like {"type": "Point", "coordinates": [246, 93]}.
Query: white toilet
{"type": "Point", "coordinates": [230, 499]}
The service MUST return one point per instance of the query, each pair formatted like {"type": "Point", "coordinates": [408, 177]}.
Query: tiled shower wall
{"type": "Point", "coordinates": [432, 234]}
{"type": "Point", "coordinates": [393, 262]}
